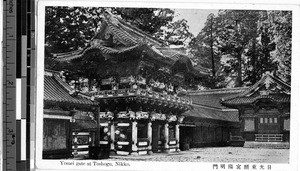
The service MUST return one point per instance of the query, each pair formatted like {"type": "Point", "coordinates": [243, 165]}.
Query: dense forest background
{"type": "Point", "coordinates": [239, 46]}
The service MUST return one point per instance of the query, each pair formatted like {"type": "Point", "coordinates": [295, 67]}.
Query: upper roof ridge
{"type": "Point", "coordinates": [118, 22]}
{"type": "Point", "coordinates": [255, 87]}
{"type": "Point", "coordinates": [218, 91]}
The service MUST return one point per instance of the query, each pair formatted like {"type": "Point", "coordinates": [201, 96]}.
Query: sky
{"type": "Point", "coordinates": [195, 17]}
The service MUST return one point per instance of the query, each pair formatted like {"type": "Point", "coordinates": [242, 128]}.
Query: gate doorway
{"type": "Point", "coordinates": [157, 136]}
{"type": "Point", "coordinates": [186, 137]}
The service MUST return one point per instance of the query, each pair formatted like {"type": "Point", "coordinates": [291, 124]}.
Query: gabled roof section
{"type": "Point", "coordinates": [58, 92]}
{"type": "Point", "coordinates": [117, 38]}
{"type": "Point", "coordinates": [211, 98]}
{"type": "Point", "coordinates": [209, 113]}
{"type": "Point", "coordinates": [268, 87]}
{"type": "Point", "coordinates": [124, 32]}
{"type": "Point", "coordinates": [206, 104]}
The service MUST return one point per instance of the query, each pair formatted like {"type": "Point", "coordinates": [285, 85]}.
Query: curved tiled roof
{"type": "Point", "coordinates": [206, 104]}
{"type": "Point", "coordinates": [57, 91]}
{"type": "Point", "coordinates": [116, 22]}
{"type": "Point", "coordinates": [278, 98]}
{"type": "Point", "coordinates": [212, 97]}
{"type": "Point", "coordinates": [132, 39]}
{"type": "Point", "coordinates": [268, 87]}
{"type": "Point", "coordinates": [209, 113]}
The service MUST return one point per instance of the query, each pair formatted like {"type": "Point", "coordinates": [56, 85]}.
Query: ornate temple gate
{"type": "Point", "coordinates": [142, 81]}
{"type": "Point", "coordinates": [138, 133]}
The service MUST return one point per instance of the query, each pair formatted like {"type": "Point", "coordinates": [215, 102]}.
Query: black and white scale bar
{"type": "Point", "coordinates": [21, 86]}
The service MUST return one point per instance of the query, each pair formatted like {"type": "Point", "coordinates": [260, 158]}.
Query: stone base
{"type": "Point", "coordinates": [166, 151]}
{"type": "Point", "coordinates": [112, 152]}
{"type": "Point", "coordinates": [135, 153]}
{"type": "Point", "coordinates": [150, 152]}
{"type": "Point", "coordinates": [268, 145]}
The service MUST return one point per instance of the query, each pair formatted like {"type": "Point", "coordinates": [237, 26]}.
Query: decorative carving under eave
{"type": "Point", "coordinates": [172, 118]}
{"type": "Point", "coordinates": [180, 119]}
{"type": "Point", "coordinates": [125, 114]}
{"type": "Point", "coordinates": [158, 116]}
{"type": "Point", "coordinates": [106, 115]}
{"type": "Point", "coordinates": [268, 82]}
{"type": "Point", "coordinates": [141, 115]}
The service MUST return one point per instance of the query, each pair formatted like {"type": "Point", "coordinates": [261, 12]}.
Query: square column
{"type": "Point", "coordinates": [134, 138]}
{"type": "Point", "coordinates": [177, 136]}
{"type": "Point", "coordinates": [75, 143]}
{"type": "Point", "coordinates": [112, 138]}
{"type": "Point", "coordinates": [149, 136]}
{"type": "Point", "coordinates": [166, 136]}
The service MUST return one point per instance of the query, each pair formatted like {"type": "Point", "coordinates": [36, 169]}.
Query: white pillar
{"type": "Point", "coordinates": [112, 137]}
{"type": "Point", "coordinates": [75, 143]}
{"type": "Point", "coordinates": [149, 136]}
{"type": "Point", "coordinates": [177, 136]}
{"type": "Point", "coordinates": [134, 138]}
{"type": "Point", "coordinates": [166, 132]}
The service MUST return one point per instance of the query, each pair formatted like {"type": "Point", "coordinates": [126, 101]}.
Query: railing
{"type": "Point", "coordinates": [79, 147]}
{"type": "Point", "coordinates": [268, 137]}
{"type": "Point", "coordinates": [140, 92]}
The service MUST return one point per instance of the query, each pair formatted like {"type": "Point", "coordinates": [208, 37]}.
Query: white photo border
{"type": "Point", "coordinates": [42, 164]}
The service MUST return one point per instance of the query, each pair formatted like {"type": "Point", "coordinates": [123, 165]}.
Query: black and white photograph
{"type": "Point", "coordinates": [120, 85]}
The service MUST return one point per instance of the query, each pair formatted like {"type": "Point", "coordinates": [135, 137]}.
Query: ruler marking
{"type": "Point", "coordinates": [9, 121]}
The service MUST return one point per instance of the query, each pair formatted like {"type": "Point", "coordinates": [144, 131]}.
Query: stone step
{"type": "Point", "coordinates": [270, 145]}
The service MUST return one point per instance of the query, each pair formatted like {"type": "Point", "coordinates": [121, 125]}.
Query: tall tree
{"type": "Point", "coordinates": [236, 29]}
{"type": "Point", "coordinates": [280, 27]}
{"type": "Point", "coordinates": [70, 28]}
{"type": "Point", "coordinates": [273, 47]}
{"type": "Point", "coordinates": [205, 47]}
{"type": "Point", "coordinates": [175, 32]}
{"type": "Point", "coordinates": [249, 43]}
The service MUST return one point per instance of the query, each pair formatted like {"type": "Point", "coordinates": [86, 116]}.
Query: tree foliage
{"type": "Point", "coordinates": [70, 28]}
{"type": "Point", "coordinates": [279, 25]}
{"type": "Point", "coordinates": [150, 20]}
{"type": "Point", "coordinates": [246, 44]}
{"type": "Point", "coordinates": [175, 33]}
{"type": "Point", "coordinates": [205, 45]}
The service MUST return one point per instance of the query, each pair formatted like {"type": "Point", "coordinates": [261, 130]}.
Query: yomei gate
{"type": "Point", "coordinates": [136, 121]}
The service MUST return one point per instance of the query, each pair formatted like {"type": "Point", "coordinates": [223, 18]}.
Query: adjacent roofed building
{"type": "Point", "coordinates": [62, 104]}
{"type": "Point", "coordinates": [209, 123]}
{"type": "Point", "coordinates": [264, 109]}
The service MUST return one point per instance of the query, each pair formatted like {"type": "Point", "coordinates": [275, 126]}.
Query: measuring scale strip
{"type": "Point", "coordinates": [9, 85]}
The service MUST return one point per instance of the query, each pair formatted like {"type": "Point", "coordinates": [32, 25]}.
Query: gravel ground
{"type": "Point", "coordinates": [216, 154]}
